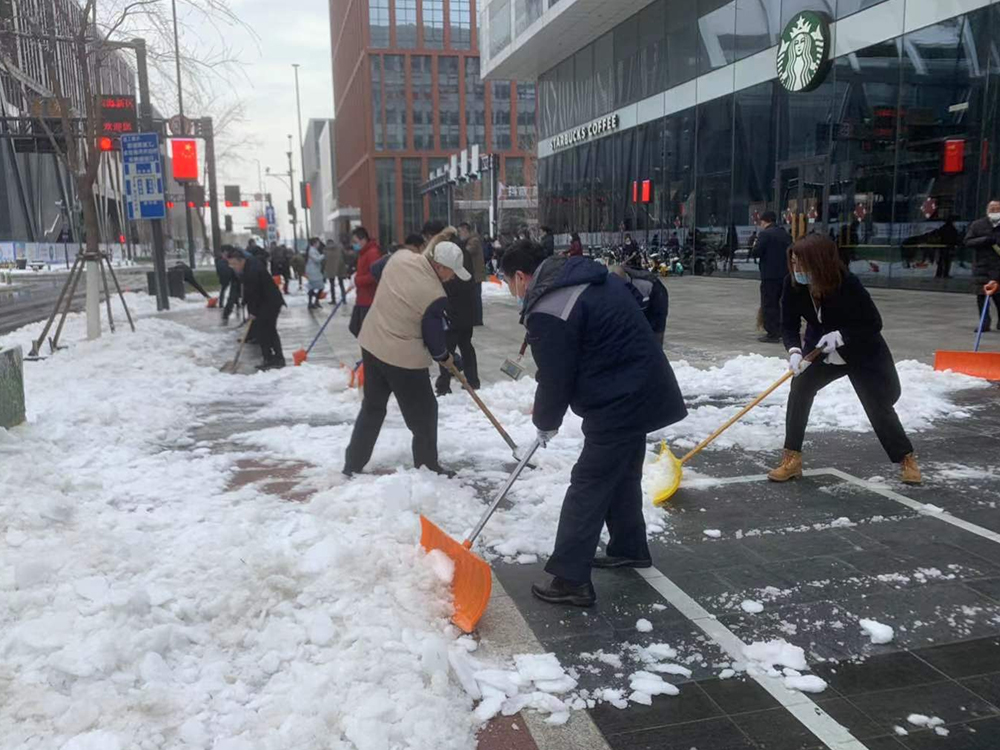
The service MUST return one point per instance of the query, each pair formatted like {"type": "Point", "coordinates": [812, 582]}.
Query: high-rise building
{"type": "Point", "coordinates": [408, 94]}
{"type": "Point", "coordinates": [872, 121]}
{"type": "Point", "coordinates": [319, 170]}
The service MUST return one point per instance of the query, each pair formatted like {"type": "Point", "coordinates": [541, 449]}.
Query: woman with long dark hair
{"type": "Point", "coordinates": [843, 322]}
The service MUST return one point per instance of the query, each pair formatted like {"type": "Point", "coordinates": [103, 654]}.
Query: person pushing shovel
{"type": "Point", "coordinates": [597, 355]}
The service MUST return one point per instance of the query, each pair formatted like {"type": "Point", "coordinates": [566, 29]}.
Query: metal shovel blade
{"type": "Point", "coordinates": [472, 582]}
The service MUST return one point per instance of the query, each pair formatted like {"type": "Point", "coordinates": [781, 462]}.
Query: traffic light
{"type": "Point", "coordinates": [104, 143]}
{"type": "Point", "coordinates": [291, 210]}
{"type": "Point", "coordinates": [262, 222]}
{"type": "Point", "coordinates": [305, 195]}
{"type": "Point", "coordinates": [229, 223]}
{"type": "Point", "coordinates": [232, 195]}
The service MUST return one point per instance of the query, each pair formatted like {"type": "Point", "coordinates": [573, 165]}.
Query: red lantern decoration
{"type": "Point", "coordinates": [185, 159]}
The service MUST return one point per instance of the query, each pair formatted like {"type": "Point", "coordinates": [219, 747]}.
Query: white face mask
{"type": "Point", "coordinates": [994, 217]}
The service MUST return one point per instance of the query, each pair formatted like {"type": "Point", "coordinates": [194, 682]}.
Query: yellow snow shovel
{"type": "Point", "coordinates": [670, 468]}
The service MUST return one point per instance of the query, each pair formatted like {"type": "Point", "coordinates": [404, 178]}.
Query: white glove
{"type": "Point", "coordinates": [796, 362]}
{"type": "Point", "coordinates": [544, 436]}
{"type": "Point", "coordinates": [831, 342]}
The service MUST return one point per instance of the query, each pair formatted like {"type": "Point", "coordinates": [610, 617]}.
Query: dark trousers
{"type": "Point", "coordinates": [333, 291]}
{"type": "Point", "coordinates": [233, 299]}
{"type": "Point", "coordinates": [770, 305]}
{"type": "Point", "coordinates": [462, 341]}
{"type": "Point", "coordinates": [980, 301]}
{"type": "Point", "coordinates": [878, 390]}
{"type": "Point", "coordinates": [605, 488]}
{"type": "Point", "coordinates": [265, 331]}
{"type": "Point", "coordinates": [479, 304]}
{"type": "Point", "coordinates": [412, 389]}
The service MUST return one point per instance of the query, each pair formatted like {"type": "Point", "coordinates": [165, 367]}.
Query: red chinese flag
{"type": "Point", "coordinates": [185, 156]}
{"type": "Point", "coordinates": [647, 190]}
{"type": "Point", "coordinates": [954, 156]}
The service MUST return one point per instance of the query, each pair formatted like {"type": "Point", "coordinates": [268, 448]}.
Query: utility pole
{"type": "Point", "coordinates": [208, 133]}
{"type": "Point", "coordinates": [180, 108]}
{"type": "Point", "coordinates": [291, 190]}
{"type": "Point", "coordinates": [302, 152]}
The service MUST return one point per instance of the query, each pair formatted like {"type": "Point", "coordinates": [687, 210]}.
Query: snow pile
{"type": "Point", "coordinates": [643, 625]}
{"type": "Point", "coordinates": [878, 632]}
{"type": "Point", "coordinates": [752, 607]}
{"type": "Point", "coordinates": [662, 475]}
{"type": "Point", "coordinates": [929, 722]}
{"type": "Point", "coordinates": [764, 659]}
{"type": "Point", "coordinates": [646, 684]}
{"type": "Point", "coordinates": [534, 683]}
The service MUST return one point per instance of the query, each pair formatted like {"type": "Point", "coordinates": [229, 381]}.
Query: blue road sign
{"type": "Point", "coordinates": [269, 214]}
{"type": "Point", "coordinates": [143, 169]}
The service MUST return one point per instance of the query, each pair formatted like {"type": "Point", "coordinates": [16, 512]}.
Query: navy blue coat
{"type": "Point", "coordinates": [596, 353]}
{"type": "Point", "coordinates": [772, 253]}
{"type": "Point", "coordinates": [652, 296]}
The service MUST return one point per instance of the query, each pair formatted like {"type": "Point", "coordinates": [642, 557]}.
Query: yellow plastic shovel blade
{"type": "Point", "coordinates": [667, 475]}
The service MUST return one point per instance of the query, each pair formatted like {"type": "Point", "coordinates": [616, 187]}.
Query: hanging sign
{"type": "Point", "coordinates": [804, 51]}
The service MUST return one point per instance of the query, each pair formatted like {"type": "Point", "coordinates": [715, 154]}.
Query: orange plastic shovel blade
{"type": "Point", "coordinates": [977, 364]}
{"type": "Point", "coordinates": [299, 356]}
{"type": "Point", "coordinates": [213, 301]}
{"type": "Point", "coordinates": [472, 582]}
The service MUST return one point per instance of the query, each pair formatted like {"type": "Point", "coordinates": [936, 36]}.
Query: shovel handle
{"type": "Point", "coordinates": [522, 462]}
{"type": "Point", "coordinates": [333, 312]}
{"type": "Point", "coordinates": [777, 384]}
{"type": "Point", "coordinates": [457, 374]}
{"type": "Point", "coordinates": [243, 341]}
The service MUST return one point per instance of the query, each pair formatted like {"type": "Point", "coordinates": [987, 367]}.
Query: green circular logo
{"type": "Point", "coordinates": [804, 51]}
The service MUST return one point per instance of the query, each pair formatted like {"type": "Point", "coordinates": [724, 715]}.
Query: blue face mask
{"type": "Point", "coordinates": [356, 246]}
{"type": "Point", "coordinates": [801, 277]}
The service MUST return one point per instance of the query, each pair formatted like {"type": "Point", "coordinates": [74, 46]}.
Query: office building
{"type": "Point", "coordinates": [319, 170]}
{"type": "Point", "coordinates": [408, 94]}
{"type": "Point", "coordinates": [875, 121]}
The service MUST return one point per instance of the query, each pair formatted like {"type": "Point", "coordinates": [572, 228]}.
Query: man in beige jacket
{"type": "Point", "coordinates": [403, 333]}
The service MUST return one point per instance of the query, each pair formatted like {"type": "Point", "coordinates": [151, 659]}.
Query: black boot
{"type": "Point", "coordinates": [607, 561]}
{"type": "Point", "coordinates": [560, 591]}
{"type": "Point", "coordinates": [438, 469]}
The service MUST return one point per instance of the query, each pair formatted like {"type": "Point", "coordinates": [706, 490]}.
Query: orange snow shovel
{"type": "Point", "coordinates": [975, 363]}
{"type": "Point", "coordinates": [472, 581]}
{"type": "Point", "coordinates": [672, 468]}
{"type": "Point", "coordinates": [231, 366]}
{"type": "Point", "coordinates": [301, 355]}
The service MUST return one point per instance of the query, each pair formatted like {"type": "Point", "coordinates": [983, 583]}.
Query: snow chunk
{"type": "Point", "coordinates": [920, 720]}
{"type": "Point", "coordinates": [651, 684]}
{"type": "Point", "coordinates": [442, 565]}
{"type": "Point", "coordinates": [643, 625]}
{"type": "Point", "coordinates": [752, 607]}
{"type": "Point", "coordinates": [878, 632]}
{"type": "Point", "coordinates": [807, 683]}
{"type": "Point", "coordinates": [99, 740]}
{"type": "Point", "coordinates": [534, 667]}
{"type": "Point", "coordinates": [779, 652]}
{"type": "Point", "coordinates": [712, 533]}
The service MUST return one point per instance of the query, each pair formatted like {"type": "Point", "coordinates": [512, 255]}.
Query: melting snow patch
{"type": "Point", "coordinates": [643, 625]}
{"type": "Point", "coordinates": [712, 533]}
{"type": "Point", "coordinates": [752, 607]}
{"type": "Point", "coordinates": [920, 720]}
{"type": "Point", "coordinates": [765, 658]}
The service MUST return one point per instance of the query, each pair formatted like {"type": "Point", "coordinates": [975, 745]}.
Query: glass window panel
{"type": "Point", "coordinates": [626, 49]}
{"type": "Point", "coordinates": [501, 115]}
{"type": "Point", "coordinates": [514, 171]}
{"type": "Point", "coordinates": [413, 202]}
{"type": "Point", "coordinates": [565, 99]}
{"type": "Point", "coordinates": [547, 103]}
{"type": "Point", "coordinates": [847, 7]}
{"type": "Point", "coordinates": [385, 188]}
{"type": "Point", "coordinates": [757, 26]}
{"type": "Point", "coordinates": [395, 103]}
{"type": "Point", "coordinates": [448, 101]}
{"type": "Point", "coordinates": [678, 176]}
{"type": "Point", "coordinates": [406, 23]}
{"type": "Point", "coordinates": [714, 167]}
{"type": "Point", "coordinates": [652, 49]}
{"type": "Point", "coordinates": [526, 106]}
{"type": "Point", "coordinates": [379, 132]}
{"type": "Point", "coordinates": [754, 152]}
{"type": "Point", "coordinates": [499, 26]}
{"type": "Point", "coordinates": [682, 43]}
{"type": "Point", "coordinates": [475, 104]}
{"type": "Point", "coordinates": [438, 201]}
{"type": "Point", "coordinates": [421, 83]}
{"type": "Point", "coordinates": [525, 13]}
{"type": "Point", "coordinates": [460, 21]}
{"type": "Point", "coordinates": [716, 29]}
{"type": "Point", "coordinates": [789, 8]}
{"type": "Point", "coordinates": [604, 75]}
{"type": "Point", "coordinates": [434, 24]}
{"type": "Point", "coordinates": [378, 23]}
{"type": "Point", "coordinates": [583, 83]}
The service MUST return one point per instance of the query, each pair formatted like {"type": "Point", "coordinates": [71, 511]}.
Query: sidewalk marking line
{"type": "Point", "coordinates": [831, 733]}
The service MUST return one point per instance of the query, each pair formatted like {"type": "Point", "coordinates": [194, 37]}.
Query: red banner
{"type": "Point", "coordinates": [185, 157]}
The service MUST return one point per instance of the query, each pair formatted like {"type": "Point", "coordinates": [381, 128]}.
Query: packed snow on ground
{"type": "Point", "coordinates": [150, 598]}
{"type": "Point", "coordinates": [782, 660]}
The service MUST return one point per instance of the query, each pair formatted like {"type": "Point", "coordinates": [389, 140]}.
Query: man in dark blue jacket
{"type": "Point", "coordinates": [597, 355]}
{"type": "Point", "coordinates": [772, 251]}
{"type": "Point", "coordinates": [652, 296]}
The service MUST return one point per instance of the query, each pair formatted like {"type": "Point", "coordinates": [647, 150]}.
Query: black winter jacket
{"type": "Point", "coordinates": [980, 238]}
{"type": "Point", "coordinates": [652, 296]}
{"type": "Point", "coordinates": [772, 252]}
{"type": "Point", "coordinates": [462, 298]}
{"type": "Point", "coordinates": [262, 295]}
{"type": "Point", "coordinates": [595, 353]}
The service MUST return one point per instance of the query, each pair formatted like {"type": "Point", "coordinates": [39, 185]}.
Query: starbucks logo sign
{"type": "Point", "coordinates": [804, 51]}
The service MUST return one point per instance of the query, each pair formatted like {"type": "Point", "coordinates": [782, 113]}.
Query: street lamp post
{"type": "Point", "coordinates": [302, 153]}
{"type": "Point", "coordinates": [180, 108]}
{"type": "Point", "coordinates": [291, 190]}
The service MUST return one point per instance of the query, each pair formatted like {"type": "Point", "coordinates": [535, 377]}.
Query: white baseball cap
{"type": "Point", "coordinates": [450, 255]}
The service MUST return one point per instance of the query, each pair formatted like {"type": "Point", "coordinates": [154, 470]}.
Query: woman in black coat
{"type": "Point", "coordinates": [843, 322]}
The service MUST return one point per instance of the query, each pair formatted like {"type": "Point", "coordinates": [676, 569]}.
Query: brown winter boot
{"type": "Point", "coordinates": [910, 473]}
{"type": "Point", "coordinates": [789, 468]}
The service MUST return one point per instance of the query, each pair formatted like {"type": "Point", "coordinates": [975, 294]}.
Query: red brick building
{"type": "Point", "coordinates": [408, 94]}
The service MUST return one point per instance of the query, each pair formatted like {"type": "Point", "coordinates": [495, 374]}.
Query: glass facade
{"type": "Point", "coordinates": [378, 126]}
{"type": "Point", "coordinates": [460, 24]}
{"type": "Point", "coordinates": [378, 23]}
{"type": "Point", "coordinates": [892, 154]}
{"type": "Point", "coordinates": [501, 115]}
{"type": "Point", "coordinates": [413, 202]}
{"type": "Point", "coordinates": [422, 88]}
{"type": "Point", "coordinates": [449, 102]}
{"type": "Point", "coordinates": [406, 23]}
{"type": "Point", "coordinates": [475, 103]}
{"type": "Point", "coordinates": [394, 74]}
{"type": "Point", "coordinates": [385, 174]}
{"type": "Point", "coordinates": [434, 24]}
